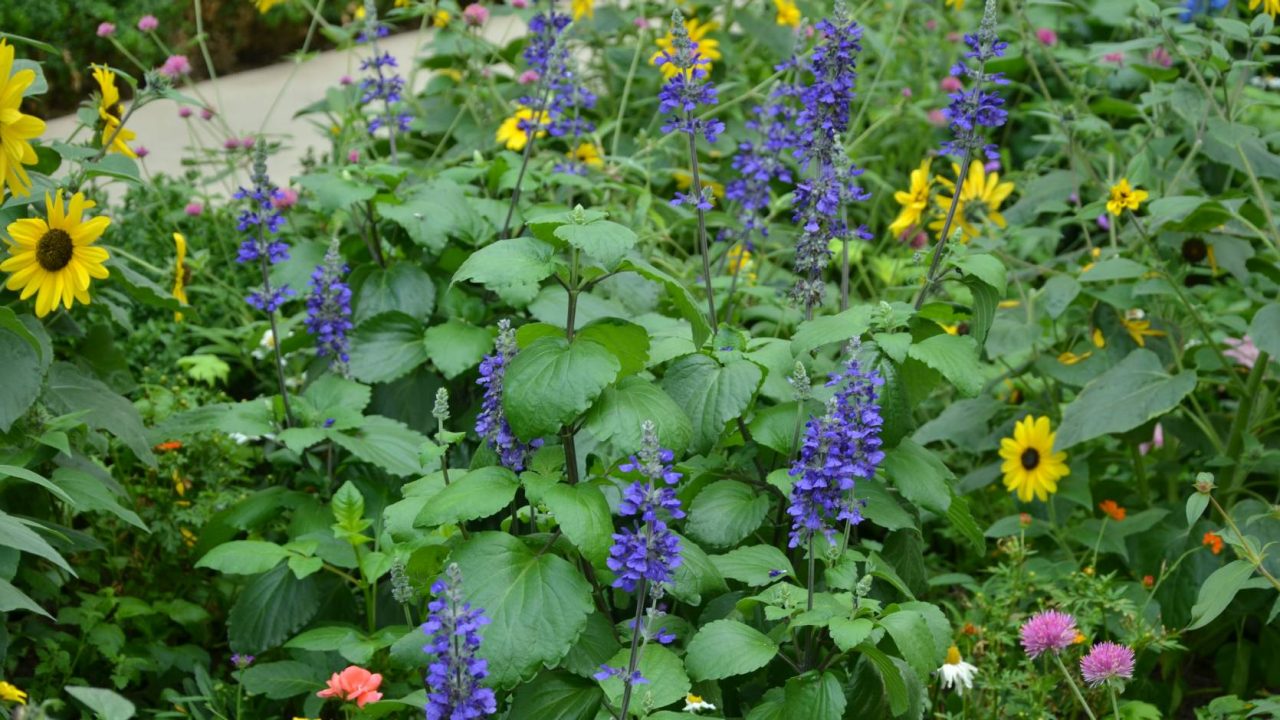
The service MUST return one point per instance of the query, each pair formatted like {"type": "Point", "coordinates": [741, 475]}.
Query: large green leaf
{"type": "Point", "coordinates": [430, 214]}
{"type": "Point", "coordinates": [910, 632]}
{"type": "Point", "coordinates": [828, 329]}
{"type": "Point", "coordinates": [478, 494]}
{"type": "Point", "coordinates": [583, 514]}
{"type": "Point", "coordinates": [1218, 590]}
{"type": "Point", "coordinates": [1132, 392]}
{"type": "Point", "coordinates": [756, 565]}
{"type": "Point", "coordinates": [391, 445]}
{"type": "Point", "coordinates": [336, 189]}
{"type": "Point", "coordinates": [557, 696]}
{"type": "Point", "coordinates": [403, 287]}
{"type": "Point", "coordinates": [282, 679]}
{"type": "Point", "coordinates": [603, 241]}
{"type": "Point", "coordinates": [11, 598]}
{"type": "Point", "coordinates": [726, 512]}
{"type": "Point", "coordinates": [618, 415]}
{"type": "Point", "coordinates": [243, 557]}
{"type": "Point", "coordinates": [537, 603]}
{"type": "Point", "coordinates": [70, 390]}
{"type": "Point", "coordinates": [666, 679]}
{"type": "Point", "coordinates": [270, 609]}
{"type": "Point", "coordinates": [24, 367]}
{"type": "Point", "coordinates": [14, 533]}
{"type": "Point", "coordinates": [628, 341]}
{"type": "Point", "coordinates": [697, 577]}
{"type": "Point", "coordinates": [678, 293]}
{"type": "Point", "coordinates": [506, 263]}
{"type": "Point", "coordinates": [919, 475]}
{"type": "Point", "coordinates": [711, 394]}
{"type": "Point", "coordinates": [386, 347]}
{"type": "Point", "coordinates": [552, 382]}
{"type": "Point", "coordinates": [814, 697]}
{"type": "Point", "coordinates": [955, 356]}
{"type": "Point", "coordinates": [105, 704]}
{"type": "Point", "coordinates": [725, 648]}
{"type": "Point", "coordinates": [456, 346]}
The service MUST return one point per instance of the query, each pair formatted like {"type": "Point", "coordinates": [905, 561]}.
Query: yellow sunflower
{"type": "Point", "coordinates": [515, 137]}
{"type": "Point", "coordinates": [180, 273]}
{"type": "Point", "coordinates": [788, 13]}
{"type": "Point", "coordinates": [1123, 197]}
{"type": "Point", "coordinates": [1031, 468]}
{"type": "Point", "coordinates": [957, 4]}
{"type": "Point", "coordinates": [741, 261]}
{"type": "Point", "coordinates": [10, 693]}
{"type": "Point", "coordinates": [708, 48]}
{"type": "Point", "coordinates": [111, 110]}
{"type": "Point", "coordinates": [581, 8]}
{"type": "Point", "coordinates": [16, 129]}
{"type": "Point", "coordinates": [914, 200]}
{"type": "Point", "coordinates": [1139, 328]}
{"type": "Point", "coordinates": [980, 198]}
{"type": "Point", "coordinates": [587, 154]}
{"type": "Point", "coordinates": [1271, 7]}
{"type": "Point", "coordinates": [56, 258]}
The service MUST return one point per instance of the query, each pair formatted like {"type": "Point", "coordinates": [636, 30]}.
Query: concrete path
{"type": "Point", "coordinates": [264, 101]}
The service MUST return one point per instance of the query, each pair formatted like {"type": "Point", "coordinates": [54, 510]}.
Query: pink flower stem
{"type": "Point", "coordinates": [1075, 689]}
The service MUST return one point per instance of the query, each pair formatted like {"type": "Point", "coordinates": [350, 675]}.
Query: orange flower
{"type": "Point", "coordinates": [969, 629]}
{"type": "Point", "coordinates": [355, 684]}
{"type": "Point", "coordinates": [1024, 519]}
{"type": "Point", "coordinates": [169, 446]}
{"type": "Point", "coordinates": [1214, 542]}
{"type": "Point", "coordinates": [1148, 582]}
{"type": "Point", "coordinates": [1112, 510]}
{"type": "Point", "coordinates": [1080, 639]}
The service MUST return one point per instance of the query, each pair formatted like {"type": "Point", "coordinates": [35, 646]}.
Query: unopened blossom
{"type": "Point", "coordinates": [260, 221]}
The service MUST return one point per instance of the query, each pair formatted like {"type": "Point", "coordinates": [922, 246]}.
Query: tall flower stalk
{"type": "Point", "coordinates": [681, 94]}
{"type": "Point", "coordinates": [260, 221]}
{"type": "Point", "coordinates": [491, 423]}
{"type": "Point", "coordinates": [645, 555]}
{"type": "Point", "coordinates": [329, 310]}
{"type": "Point", "coordinates": [383, 82]}
{"type": "Point", "coordinates": [454, 676]}
{"type": "Point", "coordinates": [831, 181]}
{"type": "Point", "coordinates": [969, 114]}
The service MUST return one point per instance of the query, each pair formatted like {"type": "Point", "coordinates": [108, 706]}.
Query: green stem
{"type": "Point", "coordinates": [1075, 689]}
{"type": "Point", "coordinates": [1240, 424]}
{"type": "Point", "coordinates": [946, 230]}
{"type": "Point", "coordinates": [626, 86]}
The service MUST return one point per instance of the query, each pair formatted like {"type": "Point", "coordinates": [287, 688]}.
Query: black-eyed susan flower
{"type": "Point", "coordinates": [1031, 468]}
{"type": "Point", "coordinates": [587, 154]}
{"type": "Point", "coordinates": [111, 111]}
{"type": "Point", "coordinates": [1271, 7]}
{"type": "Point", "coordinates": [180, 273]}
{"type": "Point", "coordinates": [1138, 327]}
{"type": "Point", "coordinates": [708, 47]}
{"type": "Point", "coordinates": [56, 257]}
{"type": "Point", "coordinates": [788, 14]}
{"type": "Point", "coordinates": [914, 200]}
{"type": "Point", "coordinates": [514, 131]}
{"type": "Point", "coordinates": [1124, 197]}
{"type": "Point", "coordinates": [981, 196]}
{"type": "Point", "coordinates": [583, 8]}
{"type": "Point", "coordinates": [16, 130]}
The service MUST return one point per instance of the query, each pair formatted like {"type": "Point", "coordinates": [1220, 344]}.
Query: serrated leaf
{"type": "Point", "coordinates": [243, 557]}
{"type": "Point", "coordinates": [1131, 393]}
{"type": "Point", "coordinates": [848, 633]}
{"type": "Point", "coordinates": [583, 515]}
{"type": "Point", "coordinates": [726, 648]}
{"type": "Point", "coordinates": [955, 357]}
{"type": "Point", "coordinates": [667, 681]}
{"type": "Point", "coordinates": [603, 241]}
{"type": "Point", "coordinates": [711, 394]}
{"type": "Point", "coordinates": [756, 565]}
{"type": "Point", "coordinates": [270, 609]}
{"type": "Point", "coordinates": [618, 415]}
{"type": "Point", "coordinates": [506, 263]}
{"type": "Point", "coordinates": [455, 346]}
{"type": "Point", "coordinates": [828, 329]}
{"type": "Point", "coordinates": [726, 512]}
{"type": "Point", "coordinates": [387, 347]}
{"type": "Point", "coordinates": [911, 634]}
{"type": "Point", "coordinates": [552, 382]}
{"type": "Point", "coordinates": [477, 494]}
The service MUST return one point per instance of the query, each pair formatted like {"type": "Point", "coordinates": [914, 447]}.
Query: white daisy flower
{"type": "Point", "coordinates": [694, 703]}
{"type": "Point", "coordinates": [955, 671]}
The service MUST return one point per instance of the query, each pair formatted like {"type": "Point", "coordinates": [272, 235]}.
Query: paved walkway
{"type": "Point", "coordinates": [265, 101]}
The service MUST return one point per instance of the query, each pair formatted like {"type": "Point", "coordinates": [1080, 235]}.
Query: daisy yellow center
{"type": "Point", "coordinates": [1030, 458]}
{"type": "Point", "coordinates": [953, 655]}
{"type": "Point", "coordinates": [54, 250]}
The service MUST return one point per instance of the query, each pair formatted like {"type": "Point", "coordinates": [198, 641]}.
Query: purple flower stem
{"type": "Point", "coordinates": [636, 633]}
{"type": "Point", "coordinates": [702, 227]}
{"type": "Point", "coordinates": [265, 264]}
{"type": "Point", "coordinates": [1075, 689]}
{"type": "Point", "coordinates": [946, 230]}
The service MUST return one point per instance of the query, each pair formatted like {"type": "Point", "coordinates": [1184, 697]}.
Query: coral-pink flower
{"type": "Point", "coordinates": [176, 66]}
{"type": "Point", "coordinates": [106, 29]}
{"type": "Point", "coordinates": [1047, 37]}
{"type": "Point", "coordinates": [285, 198]}
{"type": "Point", "coordinates": [1048, 630]}
{"type": "Point", "coordinates": [1107, 661]}
{"type": "Point", "coordinates": [354, 684]}
{"type": "Point", "coordinates": [1242, 351]}
{"type": "Point", "coordinates": [951, 84]}
{"type": "Point", "coordinates": [147, 23]}
{"type": "Point", "coordinates": [937, 118]}
{"type": "Point", "coordinates": [475, 15]}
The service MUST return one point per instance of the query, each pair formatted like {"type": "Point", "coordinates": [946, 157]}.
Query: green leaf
{"type": "Point", "coordinates": [1217, 592]}
{"type": "Point", "coordinates": [725, 648]}
{"type": "Point", "coordinates": [667, 681]}
{"type": "Point", "coordinates": [557, 696]}
{"type": "Point", "coordinates": [208, 369]}
{"type": "Point", "coordinates": [70, 390]}
{"type": "Point", "coordinates": [726, 512]}
{"type": "Point", "coordinates": [386, 443]}
{"type": "Point", "coordinates": [1230, 143]}
{"type": "Point", "coordinates": [911, 634]}
{"type": "Point", "coordinates": [756, 565]}
{"type": "Point", "coordinates": [403, 287]}
{"type": "Point", "coordinates": [986, 268]}
{"type": "Point", "coordinates": [617, 416]}
{"type": "Point", "coordinates": [105, 704]}
{"type": "Point", "coordinates": [882, 508]}
{"type": "Point", "coordinates": [814, 697]}
{"type": "Point", "coordinates": [332, 392]}
{"type": "Point", "coordinates": [507, 263]}
{"type": "Point", "coordinates": [243, 557]}
{"type": "Point", "coordinates": [387, 347]}
{"type": "Point", "coordinates": [14, 533]}
{"type": "Point", "coordinates": [603, 241]}
{"type": "Point", "coordinates": [985, 302]}
{"type": "Point", "coordinates": [282, 679]}
{"type": "Point", "coordinates": [679, 295]}
{"type": "Point", "coordinates": [829, 329]}
{"type": "Point", "coordinates": [552, 382]}
{"type": "Point", "coordinates": [336, 189]}
{"type": "Point", "coordinates": [1058, 293]}
{"type": "Point", "coordinates": [711, 394]}
{"type": "Point", "coordinates": [919, 475]}
{"type": "Point", "coordinates": [1264, 330]}
{"type": "Point", "coordinates": [697, 576]}
{"type": "Point", "coordinates": [961, 518]}
{"type": "Point", "coordinates": [1113, 269]}
{"type": "Point", "coordinates": [11, 598]}
{"type": "Point", "coordinates": [628, 341]}
{"type": "Point", "coordinates": [849, 634]}
{"type": "Point", "coordinates": [349, 521]}
{"type": "Point", "coordinates": [270, 609]}
{"type": "Point", "coordinates": [24, 368]}
{"type": "Point", "coordinates": [537, 604]}
{"type": "Point", "coordinates": [1132, 392]}
{"type": "Point", "coordinates": [955, 356]}
{"type": "Point", "coordinates": [894, 684]}
{"type": "Point", "coordinates": [115, 166]}
{"type": "Point", "coordinates": [456, 347]}
{"type": "Point", "coordinates": [478, 494]}
{"type": "Point", "coordinates": [583, 515]}
{"type": "Point", "coordinates": [36, 479]}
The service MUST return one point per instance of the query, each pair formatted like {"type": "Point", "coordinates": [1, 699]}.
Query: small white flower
{"type": "Point", "coordinates": [694, 703]}
{"type": "Point", "coordinates": [239, 438]}
{"type": "Point", "coordinates": [955, 671]}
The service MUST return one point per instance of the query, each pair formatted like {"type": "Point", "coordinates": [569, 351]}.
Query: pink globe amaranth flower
{"type": "Point", "coordinates": [194, 209]}
{"type": "Point", "coordinates": [1157, 440]}
{"type": "Point", "coordinates": [147, 23]}
{"type": "Point", "coordinates": [931, 24]}
{"type": "Point", "coordinates": [206, 113]}
{"type": "Point", "coordinates": [937, 118]}
{"type": "Point", "coordinates": [519, 4]}
{"type": "Point", "coordinates": [285, 198]}
{"type": "Point", "coordinates": [354, 684]}
{"type": "Point", "coordinates": [641, 22]}
{"type": "Point", "coordinates": [1160, 56]}
{"type": "Point", "coordinates": [176, 66]}
{"type": "Point", "coordinates": [141, 152]}
{"type": "Point", "coordinates": [1048, 630]}
{"type": "Point", "coordinates": [247, 142]}
{"type": "Point", "coordinates": [953, 36]}
{"type": "Point", "coordinates": [353, 156]}
{"type": "Point", "coordinates": [184, 112]}
{"type": "Point", "coordinates": [475, 15]}
{"type": "Point", "coordinates": [345, 80]}
{"type": "Point", "coordinates": [1242, 351]}
{"type": "Point", "coordinates": [951, 84]}
{"type": "Point", "coordinates": [231, 143]}
{"type": "Point", "coordinates": [106, 29]}
{"type": "Point", "coordinates": [919, 240]}
{"type": "Point", "coordinates": [1107, 661]}
{"type": "Point", "coordinates": [1115, 57]}
{"type": "Point", "coordinates": [528, 77]}
{"type": "Point", "coordinates": [1047, 37]}
{"type": "Point", "coordinates": [906, 92]}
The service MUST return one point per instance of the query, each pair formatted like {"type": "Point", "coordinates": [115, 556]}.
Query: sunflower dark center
{"type": "Point", "coordinates": [1030, 458]}
{"type": "Point", "coordinates": [54, 250]}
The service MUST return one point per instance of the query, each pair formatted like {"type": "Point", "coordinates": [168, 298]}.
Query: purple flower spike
{"type": "Point", "coordinates": [259, 221]}
{"type": "Point", "coordinates": [491, 423]}
{"type": "Point", "coordinates": [649, 551]}
{"type": "Point", "coordinates": [454, 691]}
{"type": "Point", "coordinates": [973, 110]}
{"type": "Point", "coordinates": [329, 309]}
